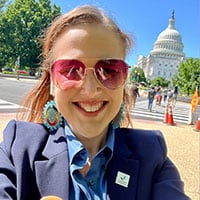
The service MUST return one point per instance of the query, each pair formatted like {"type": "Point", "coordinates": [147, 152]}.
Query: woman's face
{"type": "Point", "coordinates": [89, 107]}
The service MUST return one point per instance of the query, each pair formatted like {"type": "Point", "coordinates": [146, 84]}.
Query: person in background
{"type": "Point", "coordinates": [165, 95]}
{"type": "Point", "coordinates": [158, 95]}
{"type": "Point", "coordinates": [74, 139]}
{"type": "Point", "coordinates": [151, 96]}
{"type": "Point", "coordinates": [135, 93]}
{"type": "Point", "coordinates": [169, 97]}
{"type": "Point", "coordinates": [175, 95]}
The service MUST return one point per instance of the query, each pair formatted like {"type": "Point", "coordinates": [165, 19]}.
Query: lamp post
{"type": "Point", "coordinates": [18, 66]}
{"type": "Point", "coordinates": [138, 77]}
{"type": "Point", "coordinates": [148, 82]}
{"type": "Point", "coordinates": [198, 83]}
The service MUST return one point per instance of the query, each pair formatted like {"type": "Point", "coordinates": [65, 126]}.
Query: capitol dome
{"type": "Point", "coordinates": [169, 42]}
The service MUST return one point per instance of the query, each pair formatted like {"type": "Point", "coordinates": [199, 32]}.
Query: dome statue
{"type": "Point", "coordinates": [169, 42]}
{"type": "Point", "coordinates": [166, 56]}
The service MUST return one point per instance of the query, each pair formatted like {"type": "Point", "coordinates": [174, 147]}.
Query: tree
{"type": "Point", "coordinates": [137, 75]}
{"type": "Point", "coordinates": [160, 81]}
{"type": "Point", "coordinates": [188, 76]}
{"type": "Point", "coordinates": [20, 26]}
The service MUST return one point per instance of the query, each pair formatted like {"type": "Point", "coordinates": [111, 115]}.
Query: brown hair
{"type": "Point", "coordinates": [40, 94]}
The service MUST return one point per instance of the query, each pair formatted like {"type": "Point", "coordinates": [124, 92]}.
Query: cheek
{"type": "Point", "coordinates": [62, 99]}
{"type": "Point", "coordinates": [118, 99]}
{"type": "Point", "coordinates": [119, 94]}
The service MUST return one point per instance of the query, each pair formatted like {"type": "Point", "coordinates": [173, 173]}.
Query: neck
{"type": "Point", "coordinates": [93, 145]}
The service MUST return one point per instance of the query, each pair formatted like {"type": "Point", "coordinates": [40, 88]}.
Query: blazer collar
{"type": "Point", "coordinates": [52, 173]}
{"type": "Point", "coordinates": [56, 144]}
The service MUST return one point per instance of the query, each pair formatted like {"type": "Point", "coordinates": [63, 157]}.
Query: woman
{"type": "Point", "coordinates": [175, 95]}
{"type": "Point", "coordinates": [151, 97]}
{"type": "Point", "coordinates": [72, 146]}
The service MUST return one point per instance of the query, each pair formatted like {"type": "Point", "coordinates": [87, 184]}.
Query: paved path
{"type": "Point", "coordinates": [180, 111]}
{"type": "Point", "coordinates": [183, 149]}
{"type": "Point", "coordinates": [8, 107]}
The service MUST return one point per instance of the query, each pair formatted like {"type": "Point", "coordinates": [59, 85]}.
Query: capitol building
{"type": "Point", "coordinates": [166, 55]}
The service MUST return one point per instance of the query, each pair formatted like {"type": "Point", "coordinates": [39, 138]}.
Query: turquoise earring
{"type": "Point", "coordinates": [52, 119]}
{"type": "Point", "coordinates": [120, 118]}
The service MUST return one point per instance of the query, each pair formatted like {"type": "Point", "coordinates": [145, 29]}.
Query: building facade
{"type": "Point", "coordinates": [166, 55]}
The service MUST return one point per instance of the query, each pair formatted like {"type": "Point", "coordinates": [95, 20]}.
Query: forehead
{"type": "Point", "coordinates": [88, 41]}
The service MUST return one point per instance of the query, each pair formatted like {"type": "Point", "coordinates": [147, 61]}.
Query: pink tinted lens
{"type": "Point", "coordinates": [111, 73]}
{"type": "Point", "coordinates": [67, 73]}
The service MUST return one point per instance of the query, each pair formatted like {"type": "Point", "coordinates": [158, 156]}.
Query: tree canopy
{"type": "Point", "coordinates": [137, 75]}
{"type": "Point", "coordinates": [160, 81]}
{"type": "Point", "coordinates": [188, 76]}
{"type": "Point", "coordinates": [21, 24]}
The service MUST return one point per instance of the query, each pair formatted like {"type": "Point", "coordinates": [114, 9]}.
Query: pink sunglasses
{"type": "Point", "coordinates": [111, 73]}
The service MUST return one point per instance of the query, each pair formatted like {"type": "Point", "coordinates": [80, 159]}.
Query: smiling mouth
{"type": "Point", "coordinates": [91, 107]}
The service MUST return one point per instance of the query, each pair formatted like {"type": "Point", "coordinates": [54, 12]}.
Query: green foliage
{"type": "Point", "coordinates": [137, 75]}
{"type": "Point", "coordinates": [160, 81]}
{"type": "Point", "coordinates": [188, 76]}
{"type": "Point", "coordinates": [20, 26]}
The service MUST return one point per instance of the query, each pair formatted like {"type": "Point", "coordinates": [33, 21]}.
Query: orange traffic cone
{"type": "Point", "coordinates": [170, 117]}
{"type": "Point", "coordinates": [198, 124]}
{"type": "Point", "coordinates": [166, 115]}
{"type": "Point", "coordinates": [190, 120]}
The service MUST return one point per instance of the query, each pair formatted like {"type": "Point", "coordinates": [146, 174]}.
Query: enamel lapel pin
{"type": "Point", "coordinates": [122, 179]}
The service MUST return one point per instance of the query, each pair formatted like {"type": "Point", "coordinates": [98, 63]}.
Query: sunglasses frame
{"type": "Point", "coordinates": [74, 83]}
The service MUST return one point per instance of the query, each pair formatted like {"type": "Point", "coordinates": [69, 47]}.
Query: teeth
{"type": "Point", "coordinates": [91, 108]}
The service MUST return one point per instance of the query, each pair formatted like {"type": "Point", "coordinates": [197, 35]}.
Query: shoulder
{"type": "Point", "coordinates": [24, 128]}
{"type": "Point", "coordinates": [23, 134]}
{"type": "Point", "coordinates": [143, 142]}
{"type": "Point", "coordinates": [136, 135]}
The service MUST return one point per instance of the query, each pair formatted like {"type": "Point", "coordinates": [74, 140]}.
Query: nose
{"type": "Point", "coordinates": [90, 85]}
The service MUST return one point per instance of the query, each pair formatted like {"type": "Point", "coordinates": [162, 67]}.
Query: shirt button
{"type": "Point", "coordinates": [101, 154]}
{"type": "Point", "coordinates": [91, 182]}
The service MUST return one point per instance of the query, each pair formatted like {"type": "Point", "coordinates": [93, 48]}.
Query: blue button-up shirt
{"type": "Point", "coordinates": [93, 185]}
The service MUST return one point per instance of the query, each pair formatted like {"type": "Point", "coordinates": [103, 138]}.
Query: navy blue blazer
{"type": "Point", "coordinates": [34, 163]}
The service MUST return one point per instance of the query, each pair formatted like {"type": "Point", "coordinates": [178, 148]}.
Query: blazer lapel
{"type": "Point", "coordinates": [52, 174]}
{"type": "Point", "coordinates": [122, 172]}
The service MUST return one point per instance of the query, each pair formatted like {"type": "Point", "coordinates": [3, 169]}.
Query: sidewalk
{"type": "Point", "coordinates": [183, 149]}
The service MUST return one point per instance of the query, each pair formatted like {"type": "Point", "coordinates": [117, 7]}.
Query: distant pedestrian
{"type": "Point", "coordinates": [135, 93]}
{"type": "Point", "coordinates": [175, 95]}
{"type": "Point", "coordinates": [165, 95]}
{"type": "Point", "coordinates": [158, 96]}
{"type": "Point", "coordinates": [169, 97]}
{"type": "Point", "coordinates": [151, 96]}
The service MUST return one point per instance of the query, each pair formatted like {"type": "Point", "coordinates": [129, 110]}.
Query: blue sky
{"type": "Point", "coordinates": [144, 20]}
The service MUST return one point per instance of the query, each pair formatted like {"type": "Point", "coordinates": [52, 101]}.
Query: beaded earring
{"type": "Point", "coordinates": [52, 119]}
{"type": "Point", "coordinates": [120, 117]}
